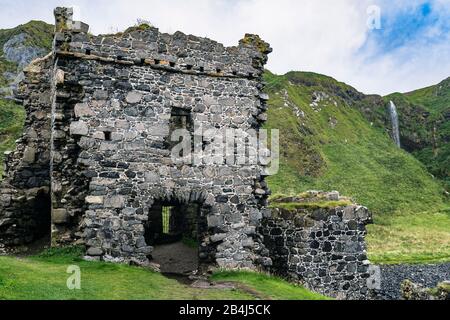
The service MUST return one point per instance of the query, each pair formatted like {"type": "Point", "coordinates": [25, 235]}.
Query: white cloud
{"type": "Point", "coordinates": [321, 36]}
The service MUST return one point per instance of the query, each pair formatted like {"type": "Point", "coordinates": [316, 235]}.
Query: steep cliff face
{"type": "Point", "coordinates": [424, 117]}
{"type": "Point", "coordinates": [18, 47]}
{"type": "Point", "coordinates": [433, 147]}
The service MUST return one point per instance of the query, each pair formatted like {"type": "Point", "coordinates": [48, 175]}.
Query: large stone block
{"type": "Point", "coordinates": [60, 216]}
{"type": "Point", "coordinates": [134, 97]}
{"type": "Point", "coordinates": [29, 155]}
{"type": "Point", "coordinates": [115, 202]}
{"type": "Point", "coordinates": [79, 128]}
{"type": "Point", "coordinates": [83, 110]}
{"type": "Point", "coordinates": [94, 199]}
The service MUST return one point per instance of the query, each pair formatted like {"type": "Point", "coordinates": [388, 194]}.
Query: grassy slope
{"type": "Point", "coordinates": [359, 160]}
{"type": "Point", "coordinates": [12, 117]}
{"type": "Point", "coordinates": [45, 277]}
{"type": "Point", "coordinates": [424, 117]}
{"type": "Point", "coordinates": [436, 100]}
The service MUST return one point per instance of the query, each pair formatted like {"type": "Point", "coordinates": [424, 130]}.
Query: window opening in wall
{"type": "Point", "coordinates": [179, 119]}
{"type": "Point", "coordinates": [166, 212]}
{"type": "Point", "coordinates": [108, 135]}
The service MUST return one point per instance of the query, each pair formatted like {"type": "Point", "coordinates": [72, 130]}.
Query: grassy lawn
{"type": "Point", "coordinates": [44, 278]}
{"type": "Point", "coordinates": [414, 238]}
{"type": "Point", "coordinates": [270, 287]}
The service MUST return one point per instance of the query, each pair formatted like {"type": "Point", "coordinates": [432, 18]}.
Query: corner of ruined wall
{"type": "Point", "coordinates": [27, 179]}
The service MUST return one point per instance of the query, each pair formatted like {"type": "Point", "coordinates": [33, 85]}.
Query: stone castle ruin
{"type": "Point", "coordinates": [94, 165]}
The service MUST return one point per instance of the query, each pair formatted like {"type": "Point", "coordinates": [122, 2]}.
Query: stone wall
{"type": "Point", "coordinates": [113, 99]}
{"type": "Point", "coordinates": [322, 248]}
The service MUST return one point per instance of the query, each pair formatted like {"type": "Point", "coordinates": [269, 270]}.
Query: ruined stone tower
{"type": "Point", "coordinates": [93, 166]}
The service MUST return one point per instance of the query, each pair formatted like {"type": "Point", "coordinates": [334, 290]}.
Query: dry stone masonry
{"type": "Point", "coordinates": [318, 239]}
{"type": "Point", "coordinates": [97, 144]}
{"type": "Point", "coordinates": [94, 164]}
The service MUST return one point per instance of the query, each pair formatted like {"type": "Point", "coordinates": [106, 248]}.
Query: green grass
{"type": "Point", "coordinates": [311, 205]}
{"type": "Point", "coordinates": [415, 238]}
{"type": "Point", "coordinates": [12, 117]}
{"type": "Point", "coordinates": [434, 98]}
{"type": "Point", "coordinates": [360, 161]}
{"type": "Point", "coordinates": [271, 287]}
{"type": "Point", "coordinates": [44, 277]}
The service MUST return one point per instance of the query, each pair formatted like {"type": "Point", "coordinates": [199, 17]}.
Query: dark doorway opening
{"type": "Point", "coordinates": [43, 216]}
{"type": "Point", "coordinates": [173, 230]}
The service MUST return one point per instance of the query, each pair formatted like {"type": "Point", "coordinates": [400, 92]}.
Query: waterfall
{"type": "Point", "coordinates": [395, 126]}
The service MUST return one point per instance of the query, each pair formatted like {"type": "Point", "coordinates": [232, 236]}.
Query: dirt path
{"type": "Point", "coordinates": [176, 258]}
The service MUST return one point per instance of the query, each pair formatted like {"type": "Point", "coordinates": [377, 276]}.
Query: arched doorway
{"type": "Point", "coordinates": [176, 230]}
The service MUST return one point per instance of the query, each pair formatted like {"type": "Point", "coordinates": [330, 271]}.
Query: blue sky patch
{"type": "Point", "coordinates": [408, 24]}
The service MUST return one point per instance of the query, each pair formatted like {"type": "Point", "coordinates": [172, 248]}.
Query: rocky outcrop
{"type": "Point", "coordinates": [317, 239]}
{"type": "Point", "coordinates": [16, 50]}
{"type": "Point", "coordinates": [412, 291]}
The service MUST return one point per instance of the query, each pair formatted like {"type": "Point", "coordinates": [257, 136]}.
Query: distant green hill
{"type": "Point", "coordinates": [424, 117]}
{"type": "Point", "coordinates": [327, 144]}
{"type": "Point", "coordinates": [425, 126]}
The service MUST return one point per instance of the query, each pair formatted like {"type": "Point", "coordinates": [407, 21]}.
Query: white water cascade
{"type": "Point", "coordinates": [395, 125]}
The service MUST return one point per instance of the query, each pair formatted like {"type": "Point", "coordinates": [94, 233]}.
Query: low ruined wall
{"type": "Point", "coordinates": [324, 249]}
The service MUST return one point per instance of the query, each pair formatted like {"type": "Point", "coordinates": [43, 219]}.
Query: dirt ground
{"type": "Point", "coordinates": [176, 258]}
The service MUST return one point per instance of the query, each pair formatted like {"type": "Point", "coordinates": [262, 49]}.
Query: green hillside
{"type": "Point", "coordinates": [425, 132]}
{"type": "Point", "coordinates": [424, 117]}
{"type": "Point", "coordinates": [38, 34]}
{"type": "Point", "coordinates": [12, 117]}
{"type": "Point", "coordinates": [329, 145]}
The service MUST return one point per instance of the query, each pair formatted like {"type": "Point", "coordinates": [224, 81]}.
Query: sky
{"type": "Point", "coordinates": [377, 46]}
